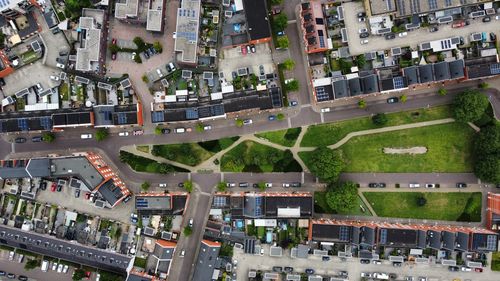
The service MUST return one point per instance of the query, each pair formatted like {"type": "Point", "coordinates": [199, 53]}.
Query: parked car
{"type": "Point", "coordinates": [486, 19]}
{"type": "Point", "coordinates": [85, 136]}
{"type": "Point", "coordinates": [377, 262]}
{"type": "Point", "coordinates": [113, 56]}
{"type": "Point", "coordinates": [11, 255]}
{"type": "Point", "coordinates": [296, 184]}
{"type": "Point", "coordinates": [430, 185]}
{"type": "Point", "coordinates": [243, 184]}
{"type": "Point", "coordinates": [247, 121]}
{"type": "Point", "coordinates": [361, 15]}
{"type": "Point", "coordinates": [271, 117]}
{"type": "Point", "coordinates": [397, 264]}
{"type": "Point", "coordinates": [77, 193]}
{"type": "Point", "coordinates": [252, 48]}
{"type": "Point", "coordinates": [278, 269]}
{"type": "Point", "coordinates": [60, 65]}
{"type": "Point", "coordinates": [53, 187]}
{"type": "Point", "coordinates": [453, 268]}
{"type": "Point", "coordinates": [464, 268]}
{"type": "Point", "coordinates": [43, 185]}
{"type": "Point", "coordinates": [123, 134]}
{"type": "Point", "coordinates": [54, 266]}
{"type": "Point", "coordinates": [22, 278]}
{"type": "Point", "coordinates": [362, 30]}
{"type": "Point", "coordinates": [133, 55]}
{"type": "Point", "coordinates": [190, 222]}
{"type": "Point", "coordinates": [325, 258]}
{"type": "Point", "coordinates": [364, 35]}
{"type": "Point", "coordinates": [54, 77]}
{"type": "Point", "coordinates": [309, 271]}
{"type": "Point", "coordinates": [382, 185]}
{"type": "Point", "coordinates": [183, 253]}
{"type": "Point", "coordinates": [288, 269]}
{"type": "Point", "coordinates": [434, 29]}
{"type": "Point", "coordinates": [461, 185]}
{"type": "Point", "coordinates": [364, 42]}
{"type": "Point", "coordinates": [326, 109]}
{"type": "Point", "coordinates": [138, 132]}
{"type": "Point", "coordinates": [293, 103]}
{"type": "Point", "coordinates": [478, 269]}
{"type": "Point", "coordinates": [36, 139]}
{"type": "Point", "coordinates": [11, 275]}
{"type": "Point", "coordinates": [280, 33]}
{"type": "Point", "coordinates": [65, 268]}
{"type": "Point", "coordinates": [126, 199]}
{"type": "Point", "coordinates": [414, 185]}
{"type": "Point", "coordinates": [363, 19]}
{"type": "Point", "coordinates": [249, 49]}
{"type": "Point", "coordinates": [165, 131]}
{"type": "Point", "coordinates": [286, 185]}
{"type": "Point", "coordinates": [20, 140]}
{"type": "Point", "coordinates": [403, 34]}
{"type": "Point", "coordinates": [390, 36]}
{"type": "Point", "coordinates": [243, 50]}
{"type": "Point", "coordinates": [207, 127]}
{"type": "Point", "coordinates": [372, 185]}
{"type": "Point", "coordinates": [230, 184]}
{"type": "Point", "coordinates": [181, 184]}
{"type": "Point", "coordinates": [261, 70]}
{"type": "Point", "coordinates": [363, 261]}
{"type": "Point", "coordinates": [393, 100]}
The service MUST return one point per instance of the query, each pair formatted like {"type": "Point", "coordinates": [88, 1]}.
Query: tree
{"type": "Point", "coordinates": [187, 231]}
{"type": "Point", "coordinates": [48, 137]}
{"type": "Point", "coordinates": [487, 141]}
{"type": "Point", "coordinates": [379, 119]}
{"type": "Point", "coordinates": [199, 127]}
{"type": "Point", "coordinates": [469, 106]}
{"type": "Point", "coordinates": [165, 168]}
{"type": "Point", "coordinates": [239, 123]}
{"type": "Point", "coordinates": [280, 22]}
{"type": "Point", "coordinates": [74, 7]}
{"type": "Point", "coordinates": [403, 98]}
{"type": "Point", "coordinates": [188, 186]}
{"type": "Point", "coordinates": [487, 168]}
{"type": "Point", "coordinates": [292, 85]}
{"type": "Point", "coordinates": [483, 85]}
{"type": "Point", "coordinates": [32, 264]}
{"type": "Point", "coordinates": [101, 134]}
{"type": "Point", "coordinates": [113, 48]}
{"type": "Point", "coordinates": [280, 116]}
{"type": "Point", "coordinates": [158, 47]}
{"type": "Point", "coordinates": [283, 42]}
{"type": "Point", "coordinates": [326, 164]}
{"type": "Point", "coordinates": [158, 130]}
{"type": "Point", "coordinates": [145, 78]}
{"type": "Point", "coordinates": [145, 186]}
{"type": "Point", "coordinates": [342, 197]}
{"type": "Point", "coordinates": [345, 66]}
{"type": "Point", "coordinates": [276, 2]}
{"type": "Point", "coordinates": [421, 201]}
{"type": "Point", "coordinates": [139, 43]}
{"type": "Point", "coordinates": [362, 104]}
{"type": "Point", "coordinates": [442, 91]}
{"type": "Point", "coordinates": [262, 186]}
{"type": "Point", "coordinates": [288, 64]}
{"type": "Point", "coordinates": [361, 60]}
{"type": "Point", "coordinates": [221, 186]}
{"type": "Point", "coordinates": [79, 274]}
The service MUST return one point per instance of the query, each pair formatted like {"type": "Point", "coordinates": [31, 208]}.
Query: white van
{"type": "Point", "coordinates": [85, 136]}
{"type": "Point", "coordinates": [45, 266]}
{"type": "Point", "coordinates": [180, 130]}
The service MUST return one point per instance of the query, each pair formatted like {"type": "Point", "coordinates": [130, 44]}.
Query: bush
{"type": "Point", "coordinates": [157, 130]}
{"type": "Point", "coordinates": [292, 86]}
{"type": "Point", "coordinates": [187, 231]}
{"type": "Point", "coordinates": [101, 134]}
{"type": "Point", "coordinates": [288, 64]}
{"type": "Point", "coordinates": [483, 85]}
{"type": "Point", "coordinates": [282, 42]}
{"type": "Point", "coordinates": [145, 186]}
{"type": "Point", "coordinates": [145, 78]}
{"type": "Point", "coordinates": [442, 91]}
{"type": "Point", "coordinates": [239, 123]}
{"type": "Point", "coordinates": [221, 186]}
{"type": "Point", "coordinates": [403, 98]}
{"type": "Point", "coordinates": [421, 201]}
{"type": "Point", "coordinates": [280, 116]}
{"type": "Point", "coordinates": [379, 119]}
{"type": "Point", "coordinates": [48, 137]}
{"type": "Point", "coordinates": [188, 186]}
{"type": "Point", "coordinates": [158, 47]}
{"type": "Point", "coordinates": [32, 264]}
{"type": "Point", "coordinates": [362, 104]}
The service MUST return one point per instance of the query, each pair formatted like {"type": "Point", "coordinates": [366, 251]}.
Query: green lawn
{"type": "Point", "coordinates": [321, 207]}
{"type": "Point", "coordinates": [186, 153]}
{"type": "Point", "coordinates": [495, 261]}
{"type": "Point", "coordinates": [29, 56]}
{"type": "Point", "coordinates": [143, 164]}
{"type": "Point", "coordinates": [331, 133]}
{"type": "Point", "coordinates": [449, 150]}
{"type": "Point", "coordinates": [215, 146]}
{"type": "Point", "coordinates": [282, 137]}
{"type": "Point", "coordinates": [254, 157]}
{"type": "Point", "coordinates": [143, 148]}
{"type": "Point", "coordinates": [450, 206]}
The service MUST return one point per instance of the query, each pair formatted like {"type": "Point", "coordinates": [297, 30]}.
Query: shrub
{"type": "Point", "coordinates": [379, 119]}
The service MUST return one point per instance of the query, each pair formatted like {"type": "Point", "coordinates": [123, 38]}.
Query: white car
{"type": "Point", "coordinates": [362, 19]}
{"type": "Point", "coordinates": [162, 185]}
{"type": "Point", "coordinates": [430, 185]}
{"type": "Point", "coordinates": [183, 253]}
{"type": "Point", "coordinates": [286, 185]}
{"type": "Point", "coordinates": [98, 276]}
{"type": "Point", "coordinates": [190, 223]}
{"type": "Point", "coordinates": [174, 34]}
{"type": "Point", "coordinates": [326, 109]}
{"type": "Point", "coordinates": [231, 184]}
{"type": "Point", "coordinates": [464, 268]}
{"type": "Point", "coordinates": [414, 185]}
{"type": "Point", "coordinates": [133, 55]}
{"type": "Point", "coordinates": [60, 268]}
{"type": "Point", "coordinates": [54, 266]}
{"type": "Point", "coordinates": [403, 34]}
{"type": "Point", "coordinates": [11, 255]}
{"type": "Point", "coordinates": [366, 274]}
{"type": "Point", "coordinates": [364, 41]}
{"type": "Point", "coordinates": [123, 134]}
{"type": "Point", "coordinates": [85, 136]}
{"type": "Point", "coordinates": [268, 184]}
{"type": "Point", "coordinates": [247, 121]}
{"type": "Point", "coordinates": [60, 65]}
{"type": "Point", "coordinates": [362, 30]}
{"type": "Point", "coordinates": [55, 78]}
{"type": "Point", "coordinates": [207, 127]}
{"type": "Point", "coordinates": [65, 268]}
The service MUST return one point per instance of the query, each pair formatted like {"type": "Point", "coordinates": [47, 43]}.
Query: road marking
{"type": "Point", "coordinates": [189, 176]}
{"type": "Point", "coordinates": [322, 117]}
{"type": "Point", "coordinates": [302, 177]}
{"type": "Point", "coordinates": [221, 177]}
{"type": "Point", "coordinates": [13, 148]}
{"type": "Point", "coordinates": [289, 122]}
{"type": "Point", "coordinates": [291, 21]}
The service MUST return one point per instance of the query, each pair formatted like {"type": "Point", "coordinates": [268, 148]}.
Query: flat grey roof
{"type": "Point", "coordinates": [77, 166]}
{"type": "Point", "coordinates": [150, 202]}
{"type": "Point", "coordinates": [188, 19]}
{"type": "Point", "coordinates": [89, 49]}
{"type": "Point", "coordinates": [126, 8]}
{"type": "Point", "coordinates": [155, 15]}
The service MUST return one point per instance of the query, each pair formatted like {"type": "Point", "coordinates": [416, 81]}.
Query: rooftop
{"type": "Point", "coordinates": [126, 8]}
{"type": "Point", "coordinates": [78, 166]}
{"type": "Point", "coordinates": [187, 27]}
{"type": "Point", "coordinates": [90, 43]}
{"type": "Point", "coordinates": [155, 15]}
{"type": "Point", "coordinates": [207, 257]}
{"type": "Point", "coordinates": [257, 19]}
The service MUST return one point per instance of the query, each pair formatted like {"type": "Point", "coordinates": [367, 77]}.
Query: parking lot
{"type": "Point", "coordinates": [37, 73]}
{"type": "Point", "coordinates": [233, 59]}
{"type": "Point", "coordinates": [376, 42]}
{"type": "Point", "coordinates": [332, 267]}
{"type": "Point", "coordinates": [66, 198]}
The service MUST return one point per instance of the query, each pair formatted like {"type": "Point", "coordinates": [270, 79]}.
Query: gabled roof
{"type": "Point", "coordinates": [355, 87]}
{"type": "Point", "coordinates": [411, 74]}
{"type": "Point", "coordinates": [442, 71]}
{"type": "Point", "coordinates": [456, 69]}
{"type": "Point", "coordinates": [370, 84]}
{"type": "Point", "coordinates": [425, 72]}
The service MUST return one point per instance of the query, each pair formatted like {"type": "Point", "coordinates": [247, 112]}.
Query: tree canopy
{"type": "Point", "coordinates": [292, 86]}
{"type": "Point", "coordinates": [48, 137]}
{"type": "Point", "coordinates": [283, 42]}
{"type": "Point", "coordinates": [280, 22]}
{"type": "Point", "coordinates": [487, 140]}
{"type": "Point", "coordinates": [326, 164]}
{"type": "Point", "coordinates": [188, 186]}
{"type": "Point", "coordinates": [288, 64]}
{"type": "Point", "coordinates": [342, 197]}
{"type": "Point", "coordinates": [487, 168]}
{"type": "Point", "coordinates": [101, 134]}
{"type": "Point", "coordinates": [221, 186]}
{"type": "Point", "coordinates": [469, 106]}
{"type": "Point", "coordinates": [380, 119]}
{"type": "Point", "coordinates": [487, 154]}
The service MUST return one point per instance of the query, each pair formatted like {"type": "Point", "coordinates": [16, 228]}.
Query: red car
{"type": "Point", "coordinates": [87, 274]}
{"type": "Point", "coordinates": [113, 41]}
{"type": "Point", "coordinates": [478, 269]}
{"type": "Point", "coordinates": [113, 56]}
{"type": "Point", "coordinates": [87, 195]}
{"type": "Point", "coordinates": [53, 187]}
{"type": "Point", "coordinates": [244, 50]}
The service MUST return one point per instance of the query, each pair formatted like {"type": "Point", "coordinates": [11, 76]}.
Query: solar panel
{"type": "Point", "coordinates": [258, 204]}
{"type": "Point", "coordinates": [157, 116]}
{"type": "Point", "coordinates": [191, 113]}
{"type": "Point", "coordinates": [383, 236]}
{"type": "Point", "coordinates": [22, 123]}
{"type": "Point", "coordinates": [322, 41]}
{"type": "Point", "coordinates": [219, 201]}
{"type": "Point", "coordinates": [447, 3]}
{"type": "Point", "coordinates": [491, 242]}
{"type": "Point", "coordinates": [495, 68]}
{"type": "Point", "coordinates": [344, 233]}
{"type": "Point", "coordinates": [433, 4]}
{"type": "Point", "coordinates": [416, 4]}
{"type": "Point", "coordinates": [398, 82]}
{"type": "Point", "coordinates": [402, 7]}
{"type": "Point", "coordinates": [321, 95]}
{"type": "Point", "coordinates": [122, 118]}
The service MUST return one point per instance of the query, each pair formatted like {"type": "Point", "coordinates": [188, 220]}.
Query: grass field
{"type": "Point", "coordinates": [282, 137]}
{"type": "Point", "coordinates": [143, 148]}
{"type": "Point", "coordinates": [321, 207]}
{"type": "Point", "coordinates": [186, 153]}
{"type": "Point", "coordinates": [449, 150]}
{"type": "Point", "coordinates": [495, 261]}
{"type": "Point", "coordinates": [254, 157]}
{"type": "Point", "coordinates": [331, 133]}
{"type": "Point", "coordinates": [143, 164]}
{"type": "Point", "coordinates": [450, 206]}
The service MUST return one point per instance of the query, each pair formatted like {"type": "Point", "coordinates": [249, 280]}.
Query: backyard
{"type": "Point", "coordinates": [448, 150]}
{"type": "Point", "coordinates": [450, 206]}
{"type": "Point", "coordinates": [331, 133]}
{"type": "Point", "coordinates": [282, 137]}
{"type": "Point", "coordinates": [254, 157]}
{"type": "Point", "coordinates": [321, 206]}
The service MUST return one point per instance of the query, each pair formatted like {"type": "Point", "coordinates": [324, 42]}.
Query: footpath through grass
{"type": "Point", "coordinates": [321, 207]}
{"type": "Point", "coordinates": [449, 206]}
{"type": "Point", "coordinates": [281, 137]}
{"type": "Point", "coordinates": [448, 150]}
{"type": "Point", "coordinates": [250, 156]}
{"type": "Point", "coordinates": [331, 133]}
{"type": "Point", "coordinates": [143, 164]}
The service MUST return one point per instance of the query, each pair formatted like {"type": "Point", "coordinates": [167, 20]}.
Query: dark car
{"type": "Point", "coordinates": [22, 278]}
{"type": "Point", "coordinates": [361, 14]}
{"type": "Point", "coordinates": [293, 103]}
{"type": "Point", "coordinates": [59, 187]}
{"type": "Point", "coordinates": [493, 37]}
{"type": "Point", "coordinates": [271, 117]}
{"type": "Point", "coordinates": [127, 198]}
{"type": "Point", "coordinates": [77, 193]}
{"type": "Point", "coordinates": [146, 55]}
{"type": "Point", "coordinates": [309, 271]}
{"type": "Point", "coordinates": [243, 184]}
{"type": "Point", "coordinates": [43, 185]}
{"type": "Point", "coordinates": [113, 56]}
{"type": "Point", "coordinates": [453, 268]}
{"type": "Point", "coordinates": [278, 269]}
{"type": "Point", "coordinates": [372, 185]}
{"type": "Point", "coordinates": [288, 269]}
{"type": "Point", "coordinates": [382, 185]}
{"type": "Point", "coordinates": [397, 264]}
{"type": "Point", "coordinates": [20, 140]}
{"type": "Point", "coordinates": [364, 35]}
{"type": "Point", "coordinates": [434, 29]}
{"type": "Point", "coordinates": [234, 74]}
{"type": "Point", "coordinates": [165, 131]}
{"type": "Point", "coordinates": [181, 184]}
{"type": "Point", "coordinates": [392, 100]}
{"type": "Point", "coordinates": [325, 258]}
{"type": "Point", "coordinates": [255, 185]}
{"type": "Point", "coordinates": [362, 261]}
{"type": "Point", "coordinates": [252, 48]}
{"type": "Point", "coordinates": [2, 273]}
{"type": "Point", "coordinates": [11, 275]}
{"type": "Point", "coordinates": [390, 36]}
{"type": "Point", "coordinates": [36, 139]}
{"type": "Point", "coordinates": [486, 19]}
{"type": "Point", "coordinates": [392, 276]}
{"type": "Point", "coordinates": [461, 185]}
{"type": "Point", "coordinates": [296, 184]}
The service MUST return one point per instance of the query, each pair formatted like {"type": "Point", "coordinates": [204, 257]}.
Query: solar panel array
{"type": "Point", "coordinates": [401, 7]}
{"type": "Point", "coordinates": [46, 122]}
{"type": "Point", "coordinates": [22, 123]}
{"type": "Point", "coordinates": [398, 82]}
{"type": "Point", "coordinates": [321, 95]}
{"type": "Point", "coordinates": [220, 201]}
{"type": "Point", "coordinates": [106, 115]}
{"type": "Point", "coordinates": [447, 3]}
{"type": "Point", "coordinates": [157, 116]}
{"type": "Point", "coordinates": [495, 68]}
{"type": "Point", "coordinates": [141, 203]}
{"type": "Point", "coordinates": [191, 36]}
{"type": "Point", "coordinates": [191, 113]}
{"type": "Point", "coordinates": [258, 206]}
{"type": "Point", "coordinates": [187, 13]}
{"type": "Point", "coordinates": [4, 3]}
{"type": "Point", "coordinates": [433, 4]}
{"type": "Point", "coordinates": [344, 233]}
{"type": "Point", "coordinates": [416, 6]}
{"type": "Point", "coordinates": [122, 118]}
{"type": "Point", "coordinates": [321, 41]}
{"type": "Point", "coordinates": [383, 236]}
{"type": "Point", "coordinates": [491, 242]}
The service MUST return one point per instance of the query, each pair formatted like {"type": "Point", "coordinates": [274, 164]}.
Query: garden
{"type": "Point", "coordinates": [321, 206]}
{"type": "Point", "coordinates": [254, 157]}
{"type": "Point", "coordinates": [143, 164]}
{"type": "Point", "coordinates": [282, 137]}
{"type": "Point", "coordinates": [450, 206]}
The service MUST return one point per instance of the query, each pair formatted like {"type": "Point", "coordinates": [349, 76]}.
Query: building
{"type": "Point", "coordinates": [11, 9]}
{"type": "Point", "coordinates": [405, 8]}
{"type": "Point", "coordinates": [313, 27]}
{"type": "Point", "coordinates": [65, 250]}
{"type": "Point", "coordinates": [493, 212]}
{"type": "Point", "coordinates": [89, 168]}
{"type": "Point", "coordinates": [162, 257]}
{"type": "Point", "coordinates": [205, 263]}
{"type": "Point", "coordinates": [128, 11]}
{"type": "Point", "coordinates": [483, 70]}
{"type": "Point", "coordinates": [135, 275]}
{"type": "Point", "coordinates": [187, 28]}
{"type": "Point", "coordinates": [173, 203]}
{"type": "Point", "coordinates": [89, 34]}
{"type": "Point", "coordinates": [371, 234]}
{"type": "Point", "coordinates": [257, 21]}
